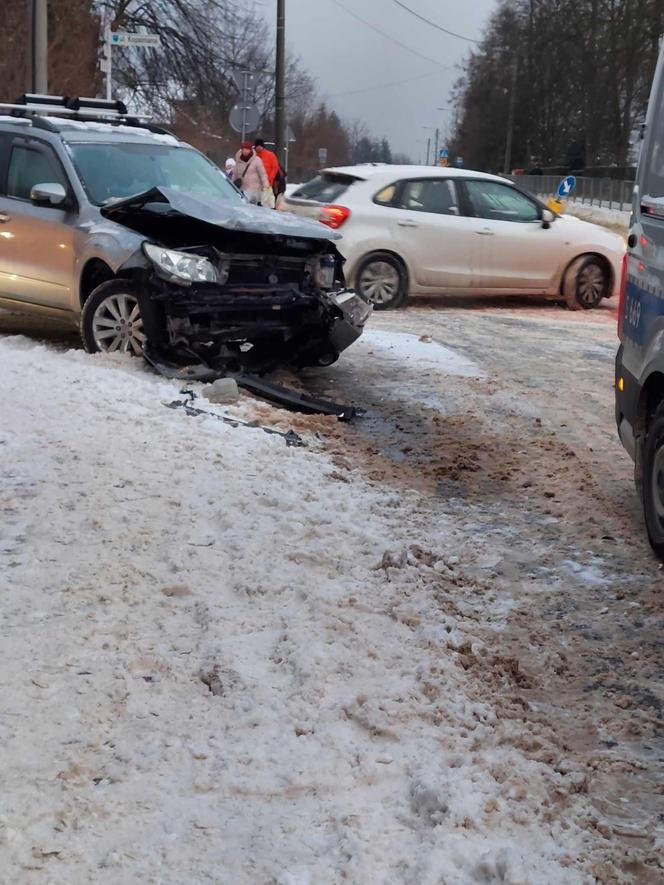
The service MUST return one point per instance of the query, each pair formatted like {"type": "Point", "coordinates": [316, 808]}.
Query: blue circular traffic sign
{"type": "Point", "coordinates": [566, 186]}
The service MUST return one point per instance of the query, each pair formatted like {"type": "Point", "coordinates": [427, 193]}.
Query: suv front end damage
{"type": "Point", "coordinates": [238, 287]}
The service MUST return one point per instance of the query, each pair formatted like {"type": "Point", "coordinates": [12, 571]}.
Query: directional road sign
{"type": "Point", "coordinates": [566, 186]}
{"type": "Point", "coordinates": [123, 38]}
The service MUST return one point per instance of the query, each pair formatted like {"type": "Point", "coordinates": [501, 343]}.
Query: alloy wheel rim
{"type": "Point", "coordinates": [591, 284]}
{"type": "Point", "coordinates": [379, 282]}
{"type": "Point", "coordinates": [117, 325]}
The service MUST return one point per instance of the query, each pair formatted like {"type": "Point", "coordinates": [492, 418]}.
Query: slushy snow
{"type": "Point", "coordinates": [415, 355]}
{"type": "Point", "coordinates": [228, 660]}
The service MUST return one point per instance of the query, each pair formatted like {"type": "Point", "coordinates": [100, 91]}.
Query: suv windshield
{"type": "Point", "coordinates": [112, 172]}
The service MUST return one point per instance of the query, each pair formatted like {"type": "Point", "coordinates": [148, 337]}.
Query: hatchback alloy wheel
{"type": "Point", "coordinates": [586, 282]}
{"type": "Point", "coordinates": [591, 285]}
{"type": "Point", "coordinates": [380, 282]}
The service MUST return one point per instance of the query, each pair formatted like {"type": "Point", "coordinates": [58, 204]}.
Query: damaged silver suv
{"type": "Point", "coordinates": [142, 241]}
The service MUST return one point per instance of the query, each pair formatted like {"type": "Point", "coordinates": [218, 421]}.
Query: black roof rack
{"type": "Point", "coordinates": [89, 110]}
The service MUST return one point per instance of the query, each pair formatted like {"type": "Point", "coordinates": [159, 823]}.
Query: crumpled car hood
{"type": "Point", "coordinates": [231, 216]}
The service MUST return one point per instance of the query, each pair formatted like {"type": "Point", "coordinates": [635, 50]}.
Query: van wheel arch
{"type": "Point", "coordinates": [650, 399]}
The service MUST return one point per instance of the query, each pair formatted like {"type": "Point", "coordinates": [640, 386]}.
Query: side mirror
{"type": "Point", "coordinates": [548, 217]}
{"type": "Point", "coordinates": [50, 192]}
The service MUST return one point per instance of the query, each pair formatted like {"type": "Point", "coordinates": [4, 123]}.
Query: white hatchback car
{"type": "Point", "coordinates": [428, 230]}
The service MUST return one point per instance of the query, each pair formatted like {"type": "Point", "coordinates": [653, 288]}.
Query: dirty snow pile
{"type": "Point", "coordinates": [616, 220]}
{"type": "Point", "coordinates": [229, 660]}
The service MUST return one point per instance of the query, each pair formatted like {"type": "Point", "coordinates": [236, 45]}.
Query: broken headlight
{"type": "Point", "coordinates": [325, 272]}
{"type": "Point", "coordinates": [181, 267]}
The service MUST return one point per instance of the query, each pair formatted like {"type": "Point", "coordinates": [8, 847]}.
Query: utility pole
{"type": "Point", "coordinates": [510, 119]}
{"type": "Point", "coordinates": [428, 148]}
{"type": "Point", "coordinates": [40, 46]}
{"type": "Point", "coordinates": [435, 153]}
{"type": "Point", "coordinates": [280, 81]}
{"type": "Point", "coordinates": [245, 102]}
{"type": "Point", "coordinates": [108, 62]}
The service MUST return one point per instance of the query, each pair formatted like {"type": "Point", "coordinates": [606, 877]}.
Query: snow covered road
{"type": "Point", "coordinates": [229, 660]}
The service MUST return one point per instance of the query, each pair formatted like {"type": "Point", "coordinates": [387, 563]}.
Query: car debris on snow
{"type": "Point", "coordinates": [223, 390]}
{"type": "Point", "coordinates": [292, 438]}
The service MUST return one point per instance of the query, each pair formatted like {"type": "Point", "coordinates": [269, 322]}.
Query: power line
{"type": "Point", "coordinates": [385, 85]}
{"type": "Point", "coordinates": [433, 24]}
{"type": "Point", "coordinates": [386, 35]}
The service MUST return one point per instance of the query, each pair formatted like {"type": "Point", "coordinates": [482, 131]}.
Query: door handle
{"type": "Point", "coordinates": [407, 224]}
{"type": "Point", "coordinates": [4, 217]}
{"type": "Point", "coordinates": [485, 232]}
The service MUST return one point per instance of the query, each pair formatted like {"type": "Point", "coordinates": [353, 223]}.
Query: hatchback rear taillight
{"type": "Point", "coordinates": [334, 216]}
{"type": "Point", "coordinates": [623, 296]}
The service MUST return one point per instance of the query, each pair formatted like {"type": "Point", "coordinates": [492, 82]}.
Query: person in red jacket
{"type": "Point", "coordinates": [270, 162]}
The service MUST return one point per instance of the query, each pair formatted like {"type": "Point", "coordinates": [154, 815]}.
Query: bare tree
{"type": "Point", "coordinates": [73, 43]}
{"type": "Point", "coordinates": [585, 68]}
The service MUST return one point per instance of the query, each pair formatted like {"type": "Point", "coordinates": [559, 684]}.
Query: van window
{"type": "Point", "coordinates": [653, 164]}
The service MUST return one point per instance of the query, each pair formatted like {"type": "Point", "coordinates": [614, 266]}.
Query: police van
{"type": "Point", "coordinates": [640, 359]}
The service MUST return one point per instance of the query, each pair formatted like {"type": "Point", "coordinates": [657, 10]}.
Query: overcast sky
{"type": "Point", "coordinates": [345, 56]}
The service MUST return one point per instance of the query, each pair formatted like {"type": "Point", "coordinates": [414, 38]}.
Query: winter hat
{"type": "Point", "coordinates": [247, 146]}
{"type": "Point", "coordinates": [230, 163]}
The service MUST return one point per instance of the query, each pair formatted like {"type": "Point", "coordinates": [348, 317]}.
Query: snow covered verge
{"type": "Point", "coordinates": [230, 660]}
{"type": "Point", "coordinates": [616, 220]}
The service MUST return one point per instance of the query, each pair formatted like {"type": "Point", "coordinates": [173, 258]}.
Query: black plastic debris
{"type": "Point", "coordinates": [291, 438]}
{"type": "Point", "coordinates": [296, 402]}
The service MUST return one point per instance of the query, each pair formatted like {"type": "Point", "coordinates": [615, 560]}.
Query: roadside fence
{"type": "Point", "coordinates": [605, 192]}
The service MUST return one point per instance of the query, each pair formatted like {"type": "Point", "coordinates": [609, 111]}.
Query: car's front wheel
{"type": "Point", "coordinates": [586, 283]}
{"type": "Point", "coordinates": [111, 320]}
{"type": "Point", "coordinates": [381, 279]}
{"type": "Point", "coordinates": [652, 485]}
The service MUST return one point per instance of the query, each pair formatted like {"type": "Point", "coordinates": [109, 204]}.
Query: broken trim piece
{"type": "Point", "coordinates": [292, 439]}
{"type": "Point", "coordinates": [296, 402]}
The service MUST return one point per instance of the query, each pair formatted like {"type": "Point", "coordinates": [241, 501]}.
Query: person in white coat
{"type": "Point", "coordinates": [229, 168]}
{"type": "Point", "coordinates": [249, 174]}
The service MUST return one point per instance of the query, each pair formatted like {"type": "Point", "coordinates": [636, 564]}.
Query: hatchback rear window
{"type": "Point", "coordinates": [326, 188]}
